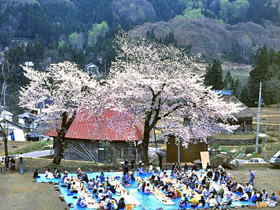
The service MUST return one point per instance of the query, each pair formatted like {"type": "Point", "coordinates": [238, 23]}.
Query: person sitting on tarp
{"type": "Point", "coordinates": [73, 188]}
{"type": "Point", "coordinates": [248, 189]}
{"type": "Point", "coordinates": [126, 179]}
{"type": "Point", "coordinates": [186, 168]}
{"type": "Point", "coordinates": [108, 192]}
{"type": "Point", "coordinates": [112, 204]}
{"type": "Point", "coordinates": [227, 200]}
{"type": "Point", "coordinates": [274, 197]}
{"type": "Point", "coordinates": [85, 178]}
{"type": "Point", "coordinates": [202, 201]}
{"type": "Point", "coordinates": [56, 173]}
{"type": "Point", "coordinates": [148, 189]}
{"type": "Point", "coordinates": [90, 184]}
{"type": "Point", "coordinates": [49, 174]}
{"type": "Point", "coordinates": [194, 201]}
{"type": "Point", "coordinates": [35, 174]}
{"type": "Point", "coordinates": [184, 201]}
{"type": "Point", "coordinates": [254, 197]}
{"type": "Point", "coordinates": [195, 167]}
{"type": "Point", "coordinates": [208, 166]}
{"type": "Point", "coordinates": [209, 173]}
{"type": "Point", "coordinates": [102, 177]}
{"type": "Point", "coordinates": [244, 197]}
{"type": "Point", "coordinates": [213, 202]}
{"type": "Point", "coordinates": [156, 180]}
{"type": "Point", "coordinates": [81, 203]}
{"type": "Point", "coordinates": [64, 176]}
{"type": "Point", "coordinates": [217, 175]}
{"type": "Point", "coordinates": [111, 187]}
{"type": "Point", "coordinates": [264, 195]}
{"type": "Point", "coordinates": [101, 195]}
{"type": "Point", "coordinates": [121, 204]}
{"type": "Point", "coordinates": [79, 173]}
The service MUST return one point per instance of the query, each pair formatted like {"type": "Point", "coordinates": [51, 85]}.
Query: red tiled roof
{"type": "Point", "coordinates": [108, 125]}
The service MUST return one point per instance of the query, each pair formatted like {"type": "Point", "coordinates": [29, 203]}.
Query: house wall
{"type": "Point", "coordinates": [101, 152]}
{"type": "Point", "coordinates": [189, 154]}
{"type": "Point", "coordinates": [17, 131]}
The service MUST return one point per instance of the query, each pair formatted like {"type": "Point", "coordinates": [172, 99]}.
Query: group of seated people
{"type": "Point", "coordinates": [96, 192]}
{"type": "Point", "coordinates": [210, 188]}
{"type": "Point", "coordinates": [52, 175]}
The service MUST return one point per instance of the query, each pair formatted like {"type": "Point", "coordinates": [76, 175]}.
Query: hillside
{"type": "Point", "coordinates": [82, 31]}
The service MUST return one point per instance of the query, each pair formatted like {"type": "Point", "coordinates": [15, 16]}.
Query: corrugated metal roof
{"type": "Point", "coordinates": [108, 125]}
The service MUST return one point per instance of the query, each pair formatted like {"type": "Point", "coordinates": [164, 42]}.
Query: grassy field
{"type": "Point", "coordinates": [271, 115]}
{"type": "Point", "coordinates": [24, 147]}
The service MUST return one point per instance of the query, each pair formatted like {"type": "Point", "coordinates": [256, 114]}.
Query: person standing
{"type": "Point", "coordinates": [20, 164]}
{"type": "Point", "coordinates": [252, 177]}
{"type": "Point", "coordinates": [159, 160]}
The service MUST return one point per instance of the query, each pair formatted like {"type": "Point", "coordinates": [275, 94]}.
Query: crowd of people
{"type": "Point", "coordinates": [195, 188]}
{"type": "Point", "coordinates": [97, 192]}
{"type": "Point", "coordinates": [9, 162]}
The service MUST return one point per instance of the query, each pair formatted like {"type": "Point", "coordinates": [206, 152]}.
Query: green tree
{"type": "Point", "coordinates": [237, 88]}
{"type": "Point", "coordinates": [16, 55]}
{"type": "Point", "coordinates": [214, 75]}
{"type": "Point", "coordinates": [228, 81]}
{"type": "Point", "coordinates": [244, 96]}
{"type": "Point", "coordinates": [76, 40]}
{"type": "Point", "coordinates": [258, 74]}
{"type": "Point", "coordinates": [97, 31]}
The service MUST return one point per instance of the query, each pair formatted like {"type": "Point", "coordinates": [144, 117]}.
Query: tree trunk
{"type": "Point", "coordinates": [5, 140]}
{"type": "Point", "coordinates": [58, 151]}
{"type": "Point", "coordinates": [145, 145]}
{"type": "Point", "coordinates": [58, 142]}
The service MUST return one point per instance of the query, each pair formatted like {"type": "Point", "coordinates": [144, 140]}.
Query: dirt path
{"type": "Point", "coordinates": [266, 178]}
{"type": "Point", "coordinates": [19, 192]}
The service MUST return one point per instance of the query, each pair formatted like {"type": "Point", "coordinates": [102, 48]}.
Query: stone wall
{"type": "Point", "coordinates": [234, 141]}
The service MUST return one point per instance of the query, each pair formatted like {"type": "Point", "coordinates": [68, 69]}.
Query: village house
{"type": "Point", "coordinates": [244, 117]}
{"type": "Point", "coordinates": [93, 69]}
{"type": "Point", "coordinates": [14, 131]}
{"type": "Point", "coordinates": [104, 138]}
{"type": "Point", "coordinates": [28, 121]}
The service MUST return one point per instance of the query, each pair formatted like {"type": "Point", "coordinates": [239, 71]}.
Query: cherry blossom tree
{"type": "Point", "coordinates": [161, 84]}
{"type": "Point", "coordinates": [65, 88]}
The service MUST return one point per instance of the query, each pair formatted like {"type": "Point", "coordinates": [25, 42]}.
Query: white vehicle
{"type": "Point", "coordinates": [256, 160]}
{"type": "Point", "coordinates": [275, 160]}
{"type": "Point", "coordinates": [253, 160]}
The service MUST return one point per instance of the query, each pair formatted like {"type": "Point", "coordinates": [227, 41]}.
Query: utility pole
{"type": "Point", "coordinates": [179, 155]}
{"type": "Point", "coordinates": [259, 117]}
{"type": "Point", "coordinates": [279, 119]}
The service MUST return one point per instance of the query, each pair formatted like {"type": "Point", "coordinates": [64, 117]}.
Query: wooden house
{"type": "Point", "coordinates": [109, 137]}
{"type": "Point", "coordinates": [244, 117]}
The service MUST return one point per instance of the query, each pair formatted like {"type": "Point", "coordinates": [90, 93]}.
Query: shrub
{"type": "Point", "coordinates": [251, 149]}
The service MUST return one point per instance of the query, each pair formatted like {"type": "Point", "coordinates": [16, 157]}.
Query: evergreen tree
{"type": "Point", "coordinates": [228, 81]}
{"type": "Point", "coordinates": [214, 75]}
{"type": "Point", "coordinates": [237, 88]}
{"type": "Point", "coordinates": [244, 96]}
{"type": "Point", "coordinates": [259, 74]}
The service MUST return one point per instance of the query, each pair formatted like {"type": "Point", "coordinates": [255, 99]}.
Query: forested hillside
{"type": "Point", "coordinates": [82, 31]}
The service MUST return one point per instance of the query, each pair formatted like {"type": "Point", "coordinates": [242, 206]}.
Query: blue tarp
{"type": "Point", "coordinates": [146, 201]}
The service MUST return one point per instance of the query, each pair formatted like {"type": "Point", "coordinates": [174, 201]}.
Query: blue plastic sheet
{"type": "Point", "coordinates": [146, 201]}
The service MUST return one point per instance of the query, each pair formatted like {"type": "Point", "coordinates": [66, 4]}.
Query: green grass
{"type": "Point", "coordinates": [234, 136]}
{"type": "Point", "coordinates": [33, 146]}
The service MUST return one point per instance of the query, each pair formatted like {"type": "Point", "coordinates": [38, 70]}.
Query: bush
{"type": "Point", "coordinates": [251, 149]}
